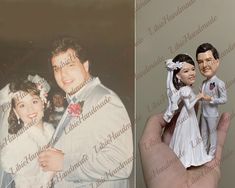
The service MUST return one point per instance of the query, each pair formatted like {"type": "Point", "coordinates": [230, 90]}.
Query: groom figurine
{"type": "Point", "coordinates": [215, 94]}
{"type": "Point", "coordinates": [92, 145]}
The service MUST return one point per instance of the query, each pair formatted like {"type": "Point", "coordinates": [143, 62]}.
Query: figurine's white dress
{"type": "Point", "coordinates": [186, 140]}
{"type": "Point", "coordinates": [20, 157]}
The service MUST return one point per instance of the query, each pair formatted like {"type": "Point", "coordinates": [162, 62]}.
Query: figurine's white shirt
{"type": "Point", "coordinates": [215, 88]}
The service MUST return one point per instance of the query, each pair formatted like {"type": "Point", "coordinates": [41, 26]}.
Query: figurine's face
{"type": "Point", "coordinates": [187, 74]}
{"type": "Point", "coordinates": [208, 65]}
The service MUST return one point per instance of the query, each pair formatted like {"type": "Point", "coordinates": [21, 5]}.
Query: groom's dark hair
{"type": "Point", "coordinates": [206, 47]}
{"type": "Point", "coordinates": [64, 43]}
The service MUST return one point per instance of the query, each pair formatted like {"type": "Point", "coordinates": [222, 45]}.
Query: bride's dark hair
{"type": "Point", "coordinates": [180, 58]}
{"type": "Point", "coordinates": [25, 86]}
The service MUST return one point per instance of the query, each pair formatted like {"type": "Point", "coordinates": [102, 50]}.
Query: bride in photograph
{"type": "Point", "coordinates": [23, 133]}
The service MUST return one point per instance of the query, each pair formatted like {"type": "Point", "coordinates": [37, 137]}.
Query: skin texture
{"type": "Point", "coordinates": [69, 72]}
{"type": "Point", "coordinates": [162, 168]}
{"type": "Point", "coordinates": [51, 160]}
{"type": "Point", "coordinates": [29, 107]}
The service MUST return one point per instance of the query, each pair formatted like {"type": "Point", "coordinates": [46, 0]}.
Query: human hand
{"type": "Point", "coordinates": [51, 159]}
{"type": "Point", "coordinates": [163, 169]}
{"type": "Point", "coordinates": [207, 98]}
{"type": "Point", "coordinates": [200, 95]}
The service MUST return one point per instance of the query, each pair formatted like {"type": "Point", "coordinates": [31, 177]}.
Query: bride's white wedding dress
{"type": "Point", "coordinates": [20, 157]}
{"type": "Point", "coordinates": [186, 141]}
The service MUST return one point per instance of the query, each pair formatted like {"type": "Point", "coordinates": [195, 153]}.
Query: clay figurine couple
{"type": "Point", "coordinates": [194, 143]}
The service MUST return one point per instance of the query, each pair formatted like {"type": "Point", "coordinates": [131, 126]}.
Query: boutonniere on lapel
{"type": "Point", "coordinates": [212, 85]}
{"type": "Point", "coordinates": [75, 109]}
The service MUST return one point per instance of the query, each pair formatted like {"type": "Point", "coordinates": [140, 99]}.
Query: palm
{"type": "Point", "coordinates": [162, 168]}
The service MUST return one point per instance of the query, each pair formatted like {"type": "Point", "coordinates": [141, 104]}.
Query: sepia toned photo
{"type": "Point", "coordinates": [67, 94]}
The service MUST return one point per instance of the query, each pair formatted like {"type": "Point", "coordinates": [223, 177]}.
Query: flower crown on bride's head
{"type": "Point", "coordinates": [42, 85]}
{"type": "Point", "coordinates": [171, 65]}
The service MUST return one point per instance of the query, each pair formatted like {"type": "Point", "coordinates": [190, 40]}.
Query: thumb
{"type": "Point", "coordinates": [153, 130]}
{"type": "Point", "coordinates": [222, 129]}
{"type": "Point", "coordinates": [161, 167]}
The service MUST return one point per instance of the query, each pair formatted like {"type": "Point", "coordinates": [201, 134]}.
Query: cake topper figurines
{"type": "Point", "coordinates": [184, 142]}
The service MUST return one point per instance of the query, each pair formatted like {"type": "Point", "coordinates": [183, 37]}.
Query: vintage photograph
{"type": "Point", "coordinates": [67, 94]}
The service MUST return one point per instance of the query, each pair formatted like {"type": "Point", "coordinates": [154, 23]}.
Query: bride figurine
{"type": "Point", "coordinates": [23, 133]}
{"type": "Point", "coordinates": [186, 141]}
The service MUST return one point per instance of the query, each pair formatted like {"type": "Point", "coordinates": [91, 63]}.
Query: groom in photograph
{"type": "Point", "coordinates": [92, 145]}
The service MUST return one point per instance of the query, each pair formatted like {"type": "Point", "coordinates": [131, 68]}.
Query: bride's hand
{"type": "Point", "coordinates": [162, 168]}
{"type": "Point", "coordinates": [207, 98]}
{"type": "Point", "coordinates": [51, 159]}
{"type": "Point", "coordinates": [200, 95]}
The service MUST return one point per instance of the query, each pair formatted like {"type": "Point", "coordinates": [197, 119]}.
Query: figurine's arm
{"type": "Point", "coordinates": [185, 92]}
{"type": "Point", "coordinates": [189, 105]}
{"type": "Point", "coordinates": [222, 98]}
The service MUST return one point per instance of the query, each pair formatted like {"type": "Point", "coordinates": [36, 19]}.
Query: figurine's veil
{"type": "Point", "coordinates": [172, 92]}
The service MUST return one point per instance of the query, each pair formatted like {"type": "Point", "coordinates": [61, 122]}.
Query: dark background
{"type": "Point", "coordinates": [106, 27]}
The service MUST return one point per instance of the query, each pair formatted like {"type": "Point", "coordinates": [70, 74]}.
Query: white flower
{"type": "Point", "coordinates": [173, 65]}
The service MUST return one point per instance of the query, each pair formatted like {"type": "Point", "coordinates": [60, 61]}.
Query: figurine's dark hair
{"type": "Point", "coordinates": [19, 85]}
{"type": "Point", "coordinates": [205, 47]}
{"type": "Point", "coordinates": [180, 58]}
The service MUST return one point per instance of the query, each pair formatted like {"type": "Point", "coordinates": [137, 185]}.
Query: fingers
{"type": "Point", "coordinates": [51, 160]}
{"type": "Point", "coordinates": [200, 89]}
{"type": "Point", "coordinates": [46, 168]}
{"type": "Point", "coordinates": [153, 130]}
{"type": "Point", "coordinates": [222, 129]}
{"type": "Point", "coordinates": [43, 159]}
{"type": "Point", "coordinates": [55, 150]}
{"type": "Point", "coordinates": [43, 164]}
{"type": "Point", "coordinates": [158, 160]}
{"type": "Point", "coordinates": [203, 176]}
{"type": "Point", "coordinates": [169, 130]}
{"type": "Point", "coordinates": [208, 175]}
